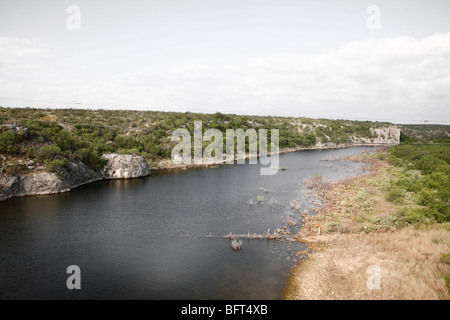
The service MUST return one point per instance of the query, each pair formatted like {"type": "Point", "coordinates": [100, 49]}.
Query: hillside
{"type": "Point", "coordinates": [59, 135]}
{"type": "Point", "coordinates": [425, 133]}
{"type": "Point", "coordinates": [54, 150]}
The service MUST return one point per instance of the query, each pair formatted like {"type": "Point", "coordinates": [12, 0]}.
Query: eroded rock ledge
{"type": "Point", "coordinates": [73, 175]}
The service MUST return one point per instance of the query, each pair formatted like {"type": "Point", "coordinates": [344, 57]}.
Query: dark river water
{"type": "Point", "coordinates": [149, 238]}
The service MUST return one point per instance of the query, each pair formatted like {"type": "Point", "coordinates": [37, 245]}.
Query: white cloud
{"type": "Point", "coordinates": [17, 52]}
{"type": "Point", "coordinates": [389, 78]}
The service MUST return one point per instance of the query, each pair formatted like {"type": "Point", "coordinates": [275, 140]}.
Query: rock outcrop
{"type": "Point", "coordinates": [9, 187]}
{"type": "Point", "coordinates": [31, 184]}
{"type": "Point", "coordinates": [74, 174]}
{"type": "Point", "coordinates": [383, 135]}
{"type": "Point", "coordinates": [124, 166]}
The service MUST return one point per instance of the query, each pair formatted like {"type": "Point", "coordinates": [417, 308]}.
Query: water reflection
{"type": "Point", "coordinates": [145, 238]}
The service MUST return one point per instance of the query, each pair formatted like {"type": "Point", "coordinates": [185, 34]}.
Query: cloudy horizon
{"type": "Point", "coordinates": [288, 58]}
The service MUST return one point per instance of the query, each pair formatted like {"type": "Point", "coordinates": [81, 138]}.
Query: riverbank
{"type": "Point", "coordinates": [356, 230]}
{"type": "Point", "coordinates": [39, 181]}
{"type": "Point", "coordinates": [168, 165]}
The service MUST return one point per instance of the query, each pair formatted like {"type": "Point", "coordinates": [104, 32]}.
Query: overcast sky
{"type": "Point", "coordinates": [321, 59]}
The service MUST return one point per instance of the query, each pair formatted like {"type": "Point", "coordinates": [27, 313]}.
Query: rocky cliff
{"type": "Point", "coordinates": [125, 166]}
{"type": "Point", "coordinates": [74, 174]}
{"type": "Point", "coordinates": [383, 135]}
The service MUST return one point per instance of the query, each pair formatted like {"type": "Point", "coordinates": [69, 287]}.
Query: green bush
{"type": "Point", "coordinates": [15, 169]}
{"type": "Point", "coordinates": [445, 258]}
{"type": "Point", "coordinates": [48, 152]}
{"type": "Point", "coordinates": [426, 197]}
{"type": "Point", "coordinates": [89, 158]}
{"type": "Point", "coordinates": [431, 188]}
{"type": "Point", "coordinates": [8, 142]}
{"type": "Point", "coordinates": [395, 195]}
{"type": "Point", "coordinates": [55, 165]}
{"type": "Point", "coordinates": [333, 227]}
{"type": "Point", "coordinates": [414, 216]}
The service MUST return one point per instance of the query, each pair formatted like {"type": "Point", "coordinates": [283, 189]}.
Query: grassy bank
{"type": "Point", "coordinates": [396, 217]}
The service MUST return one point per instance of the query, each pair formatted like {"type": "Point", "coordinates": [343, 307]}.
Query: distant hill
{"type": "Point", "coordinates": [425, 133]}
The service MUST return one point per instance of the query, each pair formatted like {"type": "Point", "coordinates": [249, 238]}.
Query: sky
{"type": "Point", "coordinates": [349, 59]}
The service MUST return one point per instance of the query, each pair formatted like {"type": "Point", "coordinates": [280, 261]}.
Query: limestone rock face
{"type": "Point", "coordinates": [390, 135]}
{"type": "Point", "coordinates": [41, 183]}
{"type": "Point", "coordinates": [9, 186]}
{"type": "Point", "coordinates": [74, 174]}
{"type": "Point", "coordinates": [31, 184]}
{"type": "Point", "coordinates": [383, 135]}
{"type": "Point", "coordinates": [125, 166]}
{"type": "Point", "coordinates": [77, 173]}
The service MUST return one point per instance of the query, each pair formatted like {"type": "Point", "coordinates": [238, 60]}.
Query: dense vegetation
{"type": "Point", "coordinates": [54, 136]}
{"type": "Point", "coordinates": [421, 133]}
{"type": "Point", "coordinates": [423, 184]}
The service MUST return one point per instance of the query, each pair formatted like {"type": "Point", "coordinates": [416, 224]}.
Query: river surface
{"type": "Point", "coordinates": [163, 236]}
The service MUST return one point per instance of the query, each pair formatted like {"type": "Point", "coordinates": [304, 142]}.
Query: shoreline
{"type": "Point", "coordinates": [168, 166]}
{"type": "Point", "coordinates": [354, 231]}
{"type": "Point", "coordinates": [247, 157]}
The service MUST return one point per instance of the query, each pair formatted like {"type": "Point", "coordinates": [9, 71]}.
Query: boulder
{"type": "Point", "coordinates": [125, 166]}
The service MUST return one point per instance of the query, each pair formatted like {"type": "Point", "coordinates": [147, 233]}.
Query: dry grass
{"type": "Point", "coordinates": [409, 261]}
{"type": "Point", "coordinates": [359, 229]}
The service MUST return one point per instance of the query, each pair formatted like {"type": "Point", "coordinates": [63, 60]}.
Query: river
{"type": "Point", "coordinates": [163, 236]}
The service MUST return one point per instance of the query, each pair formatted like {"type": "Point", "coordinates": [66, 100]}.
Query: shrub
{"type": "Point", "coordinates": [89, 158]}
{"type": "Point", "coordinates": [15, 169]}
{"type": "Point", "coordinates": [445, 258]}
{"type": "Point", "coordinates": [358, 219]}
{"type": "Point", "coordinates": [308, 140]}
{"type": "Point", "coordinates": [395, 195]}
{"type": "Point", "coordinates": [333, 227]}
{"type": "Point", "coordinates": [48, 152]}
{"type": "Point", "coordinates": [54, 165]}
{"type": "Point", "coordinates": [426, 197]}
{"type": "Point", "coordinates": [8, 142]}
{"type": "Point", "coordinates": [415, 216]}
{"type": "Point", "coordinates": [377, 220]}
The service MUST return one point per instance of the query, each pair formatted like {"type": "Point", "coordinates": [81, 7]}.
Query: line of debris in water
{"type": "Point", "coordinates": [276, 235]}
